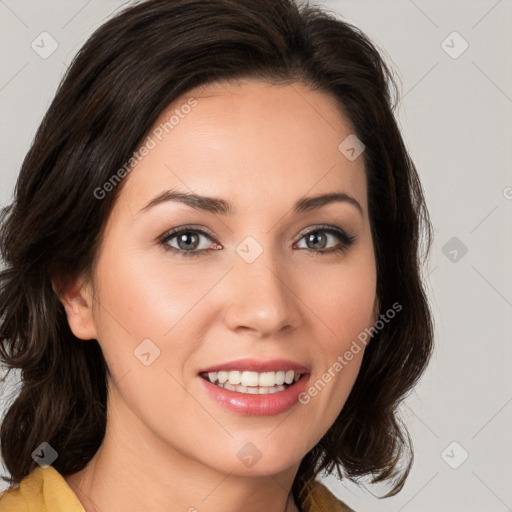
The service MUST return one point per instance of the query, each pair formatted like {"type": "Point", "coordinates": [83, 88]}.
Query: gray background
{"type": "Point", "coordinates": [456, 117]}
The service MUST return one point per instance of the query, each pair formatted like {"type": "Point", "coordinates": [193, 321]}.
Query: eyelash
{"type": "Point", "coordinates": [345, 240]}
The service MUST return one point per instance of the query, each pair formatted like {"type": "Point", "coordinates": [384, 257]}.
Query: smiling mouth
{"type": "Point", "coordinates": [255, 383]}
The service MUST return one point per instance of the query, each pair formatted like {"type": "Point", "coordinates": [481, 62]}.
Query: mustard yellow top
{"type": "Point", "coordinates": [45, 490]}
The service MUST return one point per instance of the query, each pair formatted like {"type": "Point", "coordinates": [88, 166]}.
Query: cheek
{"type": "Point", "coordinates": [147, 297]}
{"type": "Point", "coordinates": [143, 298]}
{"type": "Point", "coordinates": [144, 334]}
{"type": "Point", "coordinates": [345, 314]}
{"type": "Point", "coordinates": [135, 303]}
{"type": "Point", "coordinates": [341, 300]}
{"type": "Point", "coordinates": [342, 297]}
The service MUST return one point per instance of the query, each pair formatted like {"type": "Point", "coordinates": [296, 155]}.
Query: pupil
{"type": "Point", "coordinates": [185, 243]}
{"type": "Point", "coordinates": [313, 238]}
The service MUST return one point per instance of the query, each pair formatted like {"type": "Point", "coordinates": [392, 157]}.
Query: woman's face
{"type": "Point", "coordinates": [241, 288]}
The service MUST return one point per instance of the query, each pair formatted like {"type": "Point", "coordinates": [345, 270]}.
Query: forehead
{"type": "Point", "coordinates": [253, 141]}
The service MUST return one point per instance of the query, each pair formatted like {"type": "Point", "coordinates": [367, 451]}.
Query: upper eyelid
{"type": "Point", "coordinates": [323, 227]}
{"type": "Point", "coordinates": [185, 229]}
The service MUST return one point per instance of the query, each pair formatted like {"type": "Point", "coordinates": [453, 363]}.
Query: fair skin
{"type": "Point", "coordinates": [169, 446]}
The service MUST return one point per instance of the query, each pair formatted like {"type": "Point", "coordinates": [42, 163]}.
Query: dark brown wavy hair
{"type": "Point", "coordinates": [125, 75]}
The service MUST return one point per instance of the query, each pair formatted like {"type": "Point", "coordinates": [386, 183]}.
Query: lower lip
{"type": "Point", "coordinates": [257, 405]}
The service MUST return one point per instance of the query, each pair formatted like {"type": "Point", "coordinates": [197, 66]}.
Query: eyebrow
{"type": "Point", "coordinates": [218, 205]}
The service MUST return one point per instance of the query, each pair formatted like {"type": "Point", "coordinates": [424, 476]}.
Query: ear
{"type": "Point", "coordinates": [77, 298]}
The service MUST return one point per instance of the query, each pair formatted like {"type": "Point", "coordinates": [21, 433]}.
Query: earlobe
{"type": "Point", "coordinates": [77, 299]}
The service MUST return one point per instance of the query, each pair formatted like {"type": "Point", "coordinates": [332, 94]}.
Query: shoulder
{"type": "Point", "coordinates": [319, 499]}
{"type": "Point", "coordinates": [43, 490]}
{"type": "Point", "coordinates": [23, 497]}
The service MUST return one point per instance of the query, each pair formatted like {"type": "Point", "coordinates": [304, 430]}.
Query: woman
{"type": "Point", "coordinates": [212, 268]}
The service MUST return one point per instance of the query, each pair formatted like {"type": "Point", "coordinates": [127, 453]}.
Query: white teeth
{"type": "Point", "coordinates": [280, 376]}
{"type": "Point", "coordinates": [222, 376]}
{"type": "Point", "coordinates": [229, 386]}
{"type": "Point", "coordinates": [253, 382]}
{"type": "Point", "coordinates": [250, 378]}
{"type": "Point", "coordinates": [234, 377]}
{"type": "Point", "coordinates": [267, 379]}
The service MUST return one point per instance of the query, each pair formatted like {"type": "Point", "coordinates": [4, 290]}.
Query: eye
{"type": "Point", "coordinates": [320, 240]}
{"type": "Point", "coordinates": [188, 241]}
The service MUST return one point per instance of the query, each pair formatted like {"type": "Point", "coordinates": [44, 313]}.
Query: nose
{"type": "Point", "coordinates": [261, 298]}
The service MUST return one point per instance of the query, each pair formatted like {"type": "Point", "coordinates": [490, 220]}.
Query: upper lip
{"type": "Point", "coordinates": [257, 365]}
